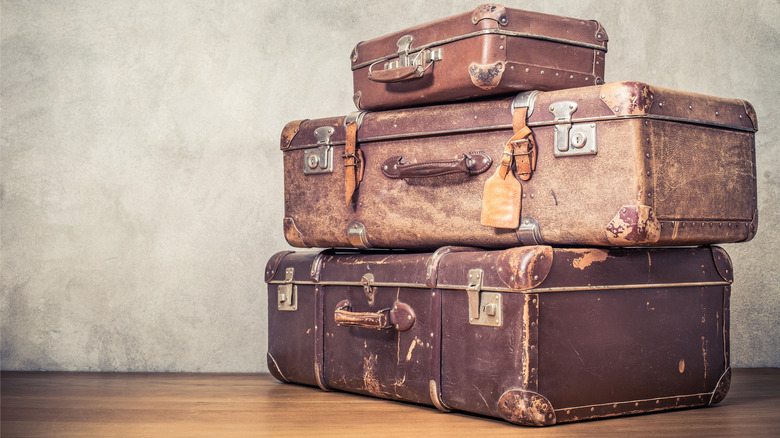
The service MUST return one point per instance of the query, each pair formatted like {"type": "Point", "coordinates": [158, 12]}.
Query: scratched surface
{"type": "Point", "coordinates": [142, 179]}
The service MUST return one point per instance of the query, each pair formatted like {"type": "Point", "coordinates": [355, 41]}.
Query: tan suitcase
{"type": "Point", "coordinates": [621, 164]}
{"type": "Point", "coordinates": [488, 51]}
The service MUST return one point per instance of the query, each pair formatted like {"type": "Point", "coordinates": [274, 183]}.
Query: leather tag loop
{"type": "Point", "coordinates": [353, 163]}
{"type": "Point", "coordinates": [502, 196]}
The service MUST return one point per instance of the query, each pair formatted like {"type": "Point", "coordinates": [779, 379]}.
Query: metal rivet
{"type": "Point", "coordinates": [649, 194]}
{"type": "Point", "coordinates": [527, 221]}
{"type": "Point", "coordinates": [542, 72]}
{"type": "Point", "coordinates": [295, 130]}
{"type": "Point", "coordinates": [717, 114]}
{"type": "Point", "coordinates": [636, 404]}
{"type": "Point", "coordinates": [568, 411]}
{"type": "Point", "coordinates": [500, 269]}
{"type": "Point", "coordinates": [523, 195]}
{"type": "Point", "coordinates": [552, 108]}
{"type": "Point", "coordinates": [592, 409]}
{"type": "Point", "coordinates": [623, 211]}
{"type": "Point", "coordinates": [475, 117]}
{"type": "Point", "coordinates": [603, 96]}
{"type": "Point", "coordinates": [690, 107]}
{"type": "Point", "coordinates": [592, 125]}
{"type": "Point", "coordinates": [533, 324]}
{"type": "Point", "coordinates": [409, 317]}
{"type": "Point", "coordinates": [511, 67]}
{"type": "Point", "coordinates": [648, 173]}
{"type": "Point", "coordinates": [527, 69]}
{"type": "Point", "coordinates": [385, 166]}
{"type": "Point", "coordinates": [661, 104]}
{"type": "Point", "coordinates": [500, 47]}
{"type": "Point", "coordinates": [396, 326]}
{"type": "Point", "coordinates": [512, 278]}
{"type": "Point", "coordinates": [395, 307]}
{"type": "Point", "coordinates": [617, 109]}
{"type": "Point", "coordinates": [647, 123]}
{"type": "Point", "coordinates": [394, 125]}
{"type": "Point", "coordinates": [533, 347]}
{"type": "Point", "coordinates": [557, 74]}
{"type": "Point", "coordinates": [587, 79]}
{"type": "Point", "coordinates": [614, 405]}
{"type": "Point", "coordinates": [433, 294]}
{"type": "Point", "coordinates": [647, 155]}
{"type": "Point", "coordinates": [532, 195]}
{"type": "Point", "coordinates": [571, 106]}
{"type": "Point", "coordinates": [657, 401]}
{"type": "Point", "coordinates": [502, 37]}
{"type": "Point", "coordinates": [533, 370]}
{"type": "Point", "coordinates": [740, 116]}
{"type": "Point", "coordinates": [536, 277]}
{"type": "Point", "coordinates": [471, 276]}
{"type": "Point", "coordinates": [534, 301]}
{"type": "Point", "coordinates": [431, 334]}
{"type": "Point", "coordinates": [571, 77]}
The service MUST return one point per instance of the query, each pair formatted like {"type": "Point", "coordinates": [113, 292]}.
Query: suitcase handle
{"type": "Point", "coordinates": [396, 74]}
{"type": "Point", "coordinates": [400, 317]}
{"type": "Point", "coordinates": [472, 163]}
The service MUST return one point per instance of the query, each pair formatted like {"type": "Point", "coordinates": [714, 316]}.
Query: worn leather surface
{"type": "Point", "coordinates": [650, 334]}
{"type": "Point", "coordinates": [699, 179]}
{"type": "Point", "coordinates": [484, 65]}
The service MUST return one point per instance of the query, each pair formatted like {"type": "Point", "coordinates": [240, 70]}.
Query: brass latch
{"type": "Point", "coordinates": [571, 139]}
{"type": "Point", "coordinates": [287, 293]}
{"type": "Point", "coordinates": [484, 307]}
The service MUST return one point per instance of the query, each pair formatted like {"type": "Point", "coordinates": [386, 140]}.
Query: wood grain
{"type": "Point", "coordinates": [128, 404]}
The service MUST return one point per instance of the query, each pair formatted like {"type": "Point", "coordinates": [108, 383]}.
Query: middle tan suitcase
{"type": "Point", "coordinates": [622, 164]}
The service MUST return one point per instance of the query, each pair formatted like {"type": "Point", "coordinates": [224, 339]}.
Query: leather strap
{"type": "Point", "coordinates": [523, 145]}
{"type": "Point", "coordinates": [353, 164]}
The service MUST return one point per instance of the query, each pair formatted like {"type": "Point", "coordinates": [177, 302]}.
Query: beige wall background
{"type": "Point", "coordinates": [141, 180]}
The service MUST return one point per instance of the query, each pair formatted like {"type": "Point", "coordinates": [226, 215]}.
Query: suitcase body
{"type": "Point", "coordinates": [491, 50]}
{"type": "Point", "coordinates": [533, 335]}
{"type": "Point", "coordinates": [621, 164]}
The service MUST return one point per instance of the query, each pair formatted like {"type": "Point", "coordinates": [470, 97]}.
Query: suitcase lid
{"type": "Point", "coordinates": [525, 269]}
{"type": "Point", "coordinates": [611, 101]}
{"type": "Point", "coordinates": [485, 19]}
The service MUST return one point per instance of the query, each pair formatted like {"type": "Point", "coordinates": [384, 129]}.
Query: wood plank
{"type": "Point", "coordinates": [148, 405]}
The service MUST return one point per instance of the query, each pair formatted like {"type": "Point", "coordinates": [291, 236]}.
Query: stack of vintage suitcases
{"type": "Point", "coordinates": [567, 222]}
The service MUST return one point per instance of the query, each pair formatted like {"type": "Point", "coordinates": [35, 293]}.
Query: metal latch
{"type": "Point", "coordinates": [319, 159]}
{"type": "Point", "coordinates": [484, 307]}
{"type": "Point", "coordinates": [368, 287]}
{"type": "Point", "coordinates": [421, 58]}
{"type": "Point", "coordinates": [571, 139]}
{"type": "Point", "coordinates": [288, 292]}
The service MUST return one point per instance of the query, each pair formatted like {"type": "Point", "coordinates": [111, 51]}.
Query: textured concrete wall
{"type": "Point", "coordinates": [141, 177]}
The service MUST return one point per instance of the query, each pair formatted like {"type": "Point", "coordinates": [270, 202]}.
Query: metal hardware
{"type": "Point", "coordinates": [357, 235]}
{"type": "Point", "coordinates": [320, 159]}
{"type": "Point", "coordinates": [368, 287]}
{"type": "Point", "coordinates": [571, 139]}
{"type": "Point", "coordinates": [354, 116]}
{"type": "Point", "coordinates": [484, 307]}
{"type": "Point", "coordinates": [287, 293]}
{"type": "Point", "coordinates": [528, 232]}
{"type": "Point", "coordinates": [405, 59]}
{"type": "Point", "coordinates": [525, 99]}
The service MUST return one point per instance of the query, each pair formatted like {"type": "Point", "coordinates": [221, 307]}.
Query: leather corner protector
{"type": "Point", "coordinates": [601, 34]}
{"type": "Point", "coordinates": [292, 234]}
{"type": "Point", "coordinates": [752, 227]}
{"type": "Point", "coordinates": [354, 55]}
{"type": "Point", "coordinates": [273, 264]}
{"type": "Point", "coordinates": [486, 76]}
{"type": "Point", "coordinates": [491, 12]}
{"type": "Point", "coordinates": [356, 98]}
{"type": "Point", "coordinates": [627, 98]}
{"type": "Point", "coordinates": [751, 113]}
{"type": "Point", "coordinates": [273, 368]}
{"type": "Point", "coordinates": [526, 408]}
{"type": "Point", "coordinates": [524, 267]}
{"type": "Point", "coordinates": [289, 132]}
{"type": "Point", "coordinates": [633, 225]}
{"type": "Point", "coordinates": [723, 263]}
{"type": "Point", "coordinates": [722, 388]}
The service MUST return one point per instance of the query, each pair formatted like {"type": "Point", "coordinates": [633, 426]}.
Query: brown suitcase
{"type": "Point", "coordinates": [491, 50]}
{"type": "Point", "coordinates": [621, 164]}
{"type": "Point", "coordinates": [534, 335]}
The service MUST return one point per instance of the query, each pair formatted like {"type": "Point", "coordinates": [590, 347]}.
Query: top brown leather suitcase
{"type": "Point", "coordinates": [621, 164]}
{"type": "Point", "coordinates": [491, 50]}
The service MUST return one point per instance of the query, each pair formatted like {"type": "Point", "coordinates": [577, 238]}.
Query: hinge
{"type": "Point", "coordinates": [288, 292]}
{"type": "Point", "coordinates": [484, 307]}
{"type": "Point", "coordinates": [319, 159]}
{"type": "Point", "coordinates": [528, 232]}
{"type": "Point", "coordinates": [368, 287]}
{"type": "Point", "coordinates": [571, 139]}
{"type": "Point", "coordinates": [357, 235]}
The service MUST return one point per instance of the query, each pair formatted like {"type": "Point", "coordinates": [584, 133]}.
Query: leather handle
{"type": "Point", "coordinates": [400, 317]}
{"type": "Point", "coordinates": [472, 163]}
{"type": "Point", "coordinates": [398, 74]}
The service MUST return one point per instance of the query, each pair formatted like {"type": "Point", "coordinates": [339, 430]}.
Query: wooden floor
{"type": "Point", "coordinates": [217, 405]}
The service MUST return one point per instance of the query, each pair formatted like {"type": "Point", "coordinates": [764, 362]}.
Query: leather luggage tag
{"type": "Point", "coordinates": [503, 193]}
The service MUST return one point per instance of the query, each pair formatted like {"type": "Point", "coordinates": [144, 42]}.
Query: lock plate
{"type": "Point", "coordinates": [572, 138]}
{"type": "Point", "coordinates": [287, 294]}
{"type": "Point", "coordinates": [319, 159]}
{"type": "Point", "coordinates": [484, 307]}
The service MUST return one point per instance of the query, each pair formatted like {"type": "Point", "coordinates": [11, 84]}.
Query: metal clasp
{"type": "Point", "coordinates": [287, 293]}
{"type": "Point", "coordinates": [319, 159]}
{"type": "Point", "coordinates": [484, 307]}
{"type": "Point", "coordinates": [368, 287]}
{"type": "Point", "coordinates": [571, 139]}
{"type": "Point", "coordinates": [421, 58]}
